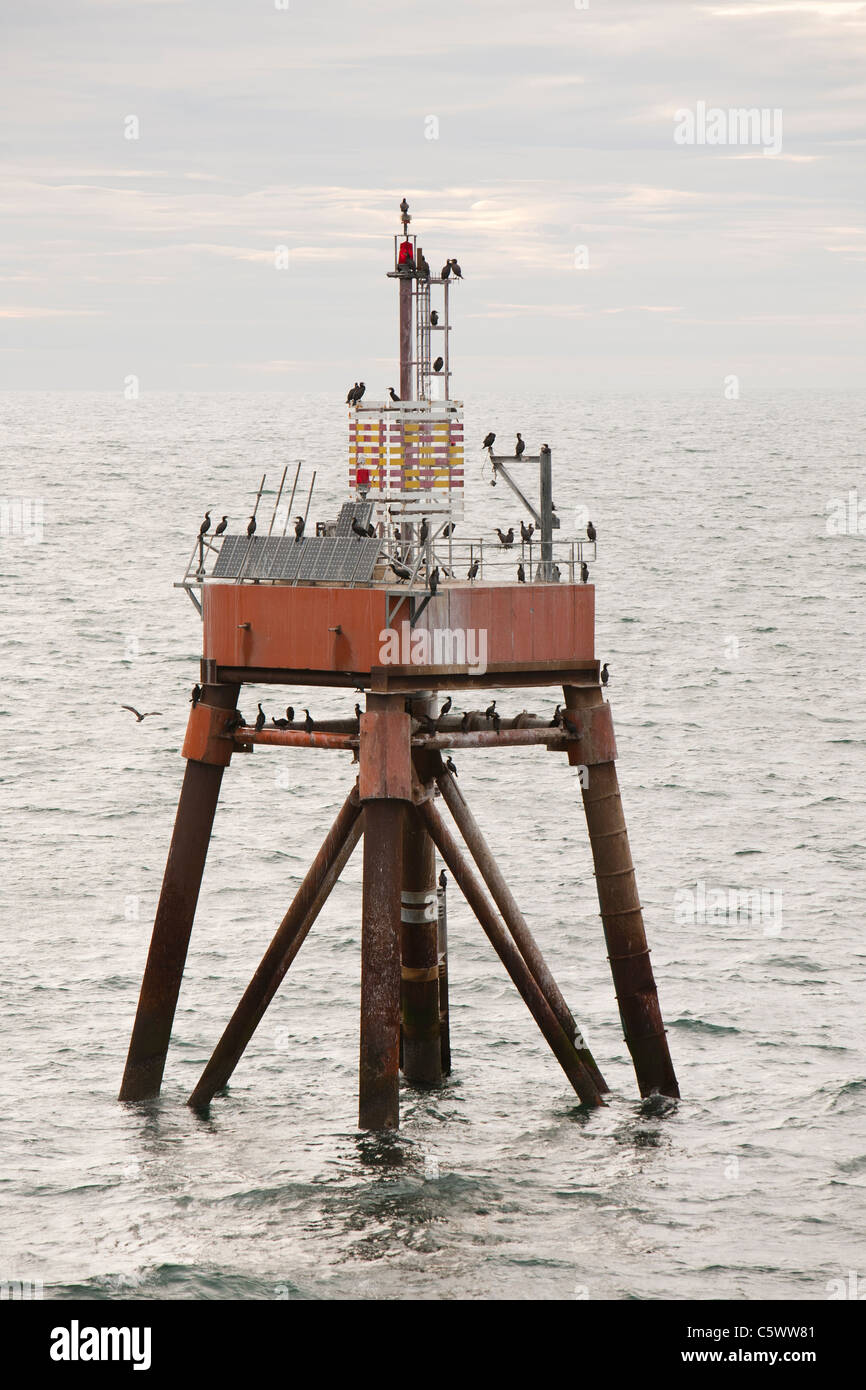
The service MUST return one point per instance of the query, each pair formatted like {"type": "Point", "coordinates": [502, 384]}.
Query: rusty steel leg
{"type": "Point", "coordinates": [421, 1050]}
{"type": "Point", "coordinates": [385, 786]}
{"type": "Point", "coordinates": [442, 947]}
{"type": "Point", "coordinates": [288, 939]}
{"type": "Point", "coordinates": [513, 917]}
{"type": "Point", "coordinates": [160, 987]}
{"type": "Point", "coordinates": [560, 1044]}
{"type": "Point", "coordinates": [621, 913]}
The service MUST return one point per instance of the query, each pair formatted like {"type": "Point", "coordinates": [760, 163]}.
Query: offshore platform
{"type": "Point", "coordinates": [385, 598]}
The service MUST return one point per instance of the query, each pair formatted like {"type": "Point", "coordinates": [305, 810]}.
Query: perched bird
{"type": "Point", "coordinates": [196, 695]}
{"type": "Point", "coordinates": [554, 723]}
{"type": "Point", "coordinates": [591, 532]}
{"type": "Point", "coordinates": [526, 532]}
{"type": "Point", "coordinates": [449, 529]}
{"type": "Point", "coordinates": [400, 570]}
{"type": "Point", "coordinates": [584, 572]}
{"type": "Point", "coordinates": [569, 722]}
{"type": "Point", "coordinates": [557, 574]}
{"type": "Point", "coordinates": [434, 317]}
{"type": "Point", "coordinates": [356, 393]}
{"type": "Point", "coordinates": [443, 879]}
{"type": "Point", "coordinates": [308, 722]}
{"type": "Point", "coordinates": [205, 526]}
{"type": "Point", "coordinates": [445, 708]}
{"type": "Point", "coordinates": [422, 267]}
{"type": "Point", "coordinates": [371, 530]}
{"type": "Point", "coordinates": [404, 208]}
{"type": "Point", "coordinates": [290, 713]}
{"type": "Point", "coordinates": [260, 718]}
{"type": "Point", "coordinates": [449, 763]}
{"type": "Point", "coordinates": [234, 721]}
{"type": "Point", "coordinates": [251, 525]}
{"type": "Point", "coordinates": [472, 572]}
{"type": "Point", "coordinates": [605, 674]}
{"type": "Point", "coordinates": [464, 723]}
{"type": "Point", "coordinates": [490, 711]}
{"type": "Point", "coordinates": [446, 270]}
{"type": "Point", "coordinates": [393, 394]}
{"type": "Point", "coordinates": [439, 364]}
{"type": "Point", "coordinates": [521, 575]}
{"type": "Point", "coordinates": [351, 396]}
{"type": "Point", "coordinates": [358, 529]}
{"type": "Point", "coordinates": [222, 526]}
{"type": "Point", "coordinates": [456, 269]}
{"type": "Point", "coordinates": [138, 716]}
{"type": "Point", "coordinates": [507, 539]}
{"type": "Point", "coordinates": [423, 531]}
{"type": "Point", "coordinates": [488, 440]}
{"type": "Point", "coordinates": [280, 723]}
{"type": "Point", "coordinates": [358, 713]}
{"type": "Point", "coordinates": [299, 527]}
{"type": "Point", "coordinates": [497, 722]}
{"type": "Point", "coordinates": [433, 581]}
{"type": "Point", "coordinates": [519, 447]}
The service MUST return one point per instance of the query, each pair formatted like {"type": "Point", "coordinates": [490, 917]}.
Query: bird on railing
{"type": "Point", "coordinates": [557, 574]}
{"type": "Point", "coordinates": [449, 763]}
{"type": "Point", "coordinates": [280, 723]}
{"type": "Point", "coordinates": [490, 710]}
{"type": "Point", "coordinates": [139, 717]}
{"type": "Point", "coordinates": [497, 723]}
{"type": "Point", "coordinates": [251, 525]}
{"type": "Point", "coordinates": [488, 440]}
{"type": "Point", "coordinates": [584, 572]}
{"type": "Point", "coordinates": [519, 447]}
{"type": "Point", "coordinates": [526, 532]}
{"type": "Point", "coordinates": [458, 273]}
{"type": "Point", "coordinates": [290, 713]}
{"type": "Point", "coordinates": [234, 721]}
{"type": "Point", "coordinates": [351, 396]}
{"type": "Point", "coordinates": [393, 394]}
{"type": "Point", "coordinates": [445, 708]}
{"type": "Point", "coordinates": [195, 696]}
{"type": "Point", "coordinates": [472, 572]}
{"type": "Point", "coordinates": [309, 724]}
{"type": "Point", "coordinates": [439, 364]}
{"type": "Point", "coordinates": [400, 570]}
{"type": "Point", "coordinates": [591, 532]}
{"type": "Point", "coordinates": [605, 674]}
{"type": "Point", "coordinates": [299, 527]}
{"type": "Point", "coordinates": [446, 270]}
{"type": "Point", "coordinates": [205, 526]}
{"type": "Point", "coordinates": [433, 581]}
{"type": "Point", "coordinates": [507, 539]}
{"type": "Point", "coordinates": [464, 723]}
{"type": "Point", "coordinates": [554, 723]}
{"type": "Point", "coordinates": [260, 718]}
{"type": "Point", "coordinates": [521, 575]}
{"type": "Point", "coordinates": [222, 526]}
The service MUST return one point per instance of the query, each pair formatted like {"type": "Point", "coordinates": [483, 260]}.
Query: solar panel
{"type": "Point", "coordinates": [367, 552]}
{"type": "Point", "coordinates": [287, 559]}
{"type": "Point", "coordinates": [259, 557]}
{"type": "Point", "coordinates": [229, 559]}
{"type": "Point", "coordinates": [361, 511]}
{"type": "Point", "coordinates": [343, 559]}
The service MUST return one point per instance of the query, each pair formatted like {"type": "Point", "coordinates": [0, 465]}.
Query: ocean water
{"type": "Point", "coordinates": [732, 617]}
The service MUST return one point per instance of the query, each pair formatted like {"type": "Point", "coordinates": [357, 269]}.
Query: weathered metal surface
{"type": "Point", "coordinates": [175, 913]}
{"type": "Point", "coordinates": [513, 918]}
{"type": "Point", "coordinates": [622, 919]}
{"type": "Point", "coordinates": [422, 1047]}
{"type": "Point", "coordinates": [384, 752]}
{"type": "Point", "coordinates": [444, 1012]}
{"type": "Point", "coordinates": [379, 1104]}
{"type": "Point", "coordinates": [205, 740]}
{"type": "Point", "coordinates": [597, 743]}
{"type": "Point", "coordinates": [560, 1044]}
{"type": "Point", "coordinates": [289, 937]}
{"type": "Point", "coordinates": [295, 738]}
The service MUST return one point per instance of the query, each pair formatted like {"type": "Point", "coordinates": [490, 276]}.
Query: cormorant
{"type": "Point", "coordinates": [351, 396]}
{"type": "Point", "coordinates": [521, 575]}
{"type": "Point", "coordinates": [449, 763]}
{"type": "Point", "coordinates": [490, 711]}
{"type": "Point", "coordinates": [358, 529]}
{"type": "Point", "coordinates": [472, 572]}
{"type": "Point", "coordinates": [554, 723]}
{"type": "Point", "coordinates": [446, 270]}
{"type": "Point", "coordinates": [449, 529]}
{"type": "Point", "coordinates": [393, 394]}
{"type": "Point", "coordinates": [234, 721]}
{"type": "Point", "coordinates": [455, 267]}
{"type": "Point", "coordinates": [434, 317]}
{"type": "Point", "coordinates": [371, 530]}
{"type": "Point", "coordinates": [308, 722]}
{"type": "Point", "coordinates": [280, 723]}
{"type": "Point", "coordinates": [519, 447]}
{"type": "Point", "coordinates": [358, 713]}
{"type": "Point", "coordinates": [439, 364]}
{"type": "Point", "coordinates": [424, 531]}
{"type": "Point", "coordinates": [404, 207]}
{"type": "Point", "coordinates": [605, 674]}
{"type": "Point", "coordinates": [290, 713]}
{"type": "Point", "coordinates": [251, 526]}
{"type": "Point", "coordinates": [464, 723]}
{"type": "Point", "coordinates": [422, 267]}
{"type": "Point", "coordinates": [508, 538]}
{"type": "Point", "coordinates": [584, 572]}
{"type": "Point", "coordinates": [496, 722]}
{"type": "Point", "coordinates": [260, 718]}
{"type": "Point", "coordinates": [434, 580]}
{"type": "Point", "coordinates": [205, 526]}
{"type": "Point", "coordinates": [488, 440]}
{"type": "Point", "coordinates": [196, 695]}
{"type": "Point", "coordinates": [138, 716]}
{"type": "Point", "coordinates": [299, 527]}
{"type": "Point", "coordinates": [222, 526]}
{"type": "Point", "coordinates": [445, 708]}
{"type": "Point", "coordinates": [400, 570]}
{"type": "Point", "coordinates": [443, 879]}
{"type": "Point", "coordinates": [591, 532]}
{"type": "Point", "coordinates": [526, 532]}
{"type": "Point", "coordinates": [360, 391]}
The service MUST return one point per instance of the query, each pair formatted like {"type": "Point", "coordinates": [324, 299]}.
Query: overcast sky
{"type": "Point", "coordinates": [261, 127]}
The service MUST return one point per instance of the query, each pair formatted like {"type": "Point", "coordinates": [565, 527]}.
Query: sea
{"type": "Point", "coordinates": [730, 608]}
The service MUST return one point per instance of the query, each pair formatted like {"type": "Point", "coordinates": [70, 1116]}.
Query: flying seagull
{"type": "Point", "coordinates": [138, 716]}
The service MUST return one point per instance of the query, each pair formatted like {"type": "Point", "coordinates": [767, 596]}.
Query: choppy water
{"type": "Point", "coordinates": [734, 626]}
